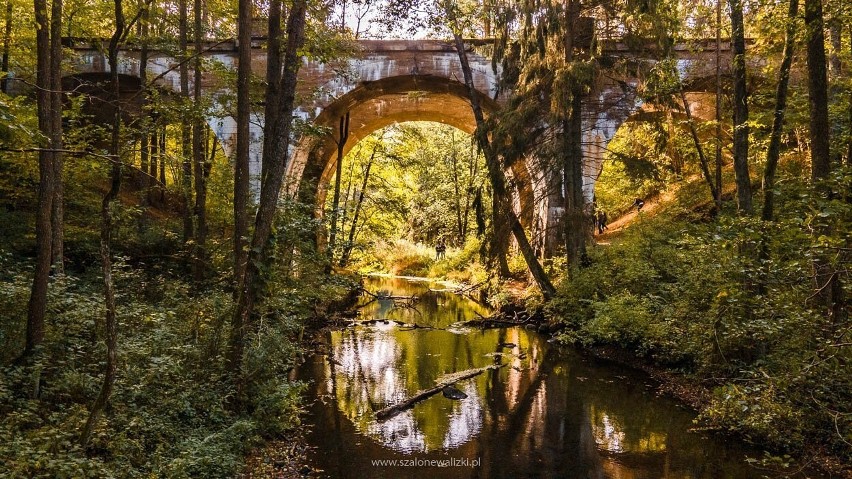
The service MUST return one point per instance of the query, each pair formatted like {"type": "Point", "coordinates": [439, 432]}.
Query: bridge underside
{"type": "Point", "coordinates": [375, 105]}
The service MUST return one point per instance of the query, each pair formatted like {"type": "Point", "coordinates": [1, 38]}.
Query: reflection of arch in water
{"type": "Point", "coordinates": [374, 105]}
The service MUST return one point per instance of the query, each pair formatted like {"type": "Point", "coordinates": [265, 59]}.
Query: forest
{"type": "Point", "coordinates": [196, 198]}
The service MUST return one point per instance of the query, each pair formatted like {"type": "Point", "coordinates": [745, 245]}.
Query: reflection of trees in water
{"type": "Point", "coordinates": [439, 309]}
{"type": "Point", "coordinates": [551, 414]}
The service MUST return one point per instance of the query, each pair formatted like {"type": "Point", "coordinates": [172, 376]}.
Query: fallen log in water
{"type": "Point", "coordinates": [442, 382]}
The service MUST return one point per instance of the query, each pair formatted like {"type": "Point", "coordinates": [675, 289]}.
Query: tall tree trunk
{"type": "Point", "coordinates": [719, 105]}
{"type": "Point", "coordinates": [469, 192]}
{"type": "Point", "coordinates": [774, 150]}
{"type": "Point", "coordinates": [575, 224]}
{"type": "Point", "coordinates": [849, 140]}
{"type": "Point", "coordinates": [347, 250]}
{"type": "Point", "coordinates": [500, 233]}
{"type": "Point", "coordinates": [273, 80]}
{"type": "Point", "coordinates": [106, 234]}
{"type": "Point", "coordinates": [47, 173]}
{"type": "Point", "coordinates": [58, 207]}
{"type": "Point", "coordinates": [144, 145]}
{"type": "Point", "coordinates": [835, 69]}
{"type": "Point", "coordinates": [7, 38]}
{"type": "Point", "coordinates": [830, 291]}
{"type": "Point", "coordinates": [199, 159]}
{"type": "Point", "coordinates": [277, 163]}
{"type": "Point", "coordinates": [702, 158]}
{"type": "Point", "coordinates": [817, 90]}
{"type": "Point", "coordinates": [185, 124]}
{"type": "Point", "coordinates": [457, 191]}
{"type": "Point", "coordinates": [342, 138]}
{"type": "Point", "coordinates": [741, 129]}
{"type": "Point", "coordinates": [241, 161]}
{"type": "Point", "coordinates": [497, 177]}
{"type": "Point", "coordinates": [163, 160]}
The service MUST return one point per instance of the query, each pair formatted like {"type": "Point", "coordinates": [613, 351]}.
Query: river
{"type": "Point", "coordinates": [550, 412]}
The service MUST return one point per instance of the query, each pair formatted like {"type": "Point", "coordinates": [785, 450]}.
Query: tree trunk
{"type": "Point", "coordinates": [827, 280]}
{"type": "Point", "coordinates": [343, 136]}
{"type": "Point", "coordinates": [277, 162]}
{"type": "Point", "coordinates": [817, 91]}
{"type": "Point", "coordinates": [198, 157]}
{"type": "Point", "coordinates": [457, 190]}
{"type": "Point", "coordinates": [106, 234]}
{"type": "Point", "coordinates": [273, 81]}
{"type": "Point", "coordinates": [741, 129]}
{"type": "Point", "coordinates": [719, 105]}
{"type": "Point", "coordinates": [58, 207]}
{"type": "Point", "coordinates": [144, 144]}
{"type": "Point", "coordinates": [347, 250]}
{"type": "Point", "coordinates": [344, 210]}
{"type": "Point", "coordinates": [7, 38]}
{"type": "Point", "coordinates": [163, 159]}
{"type": "Point", "coordinates": [849, 141]}
{"type": "Point", "coordinates": [497, 177]}
{"type": "Point", "coordinates": [574, 223]}
{"type": "Point", "coordinates": [774, 150]}
{"type": "Point", "coordinates": [500, 234]}
{"type": "Point", "coordinates": [241, 162]}
{"type": "Point", "coordinates": [185, 125]}
{"type": "Point", "coordinates": [46, 194]}
{"type": "Point", "coordinates": [702, 159]}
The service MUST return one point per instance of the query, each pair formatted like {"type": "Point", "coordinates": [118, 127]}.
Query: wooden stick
{"type": "Point", "coordinates": [395, 409]}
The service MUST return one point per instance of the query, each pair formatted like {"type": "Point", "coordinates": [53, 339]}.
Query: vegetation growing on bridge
{"type": "Point", "coordinates": [155, 300]}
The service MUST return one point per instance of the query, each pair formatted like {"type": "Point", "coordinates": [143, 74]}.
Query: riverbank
{"type": "Point", "coordinates": [694, 391]}
{"type": "Point", "coordinates": [667, 297]}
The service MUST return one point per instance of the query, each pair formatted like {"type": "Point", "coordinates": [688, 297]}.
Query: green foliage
{"type": "Point", "coordinates": [698, 296]}
{"type": "Point", "coordinates": [403, 258]}
{"type": "Point", "coordinates": [167, 416]}
{"type": "Point", "coordinates": [422, 182]}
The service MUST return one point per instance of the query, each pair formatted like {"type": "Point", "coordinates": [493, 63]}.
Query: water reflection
{"type": "Point", "coordinates": [546, 413]}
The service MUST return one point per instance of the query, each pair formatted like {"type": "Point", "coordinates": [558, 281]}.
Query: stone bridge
{"type": "Point", "coordinates": [415, 80]}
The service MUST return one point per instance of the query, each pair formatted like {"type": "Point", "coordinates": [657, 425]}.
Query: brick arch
{"type": "Point", "coordinates": [374, 105]}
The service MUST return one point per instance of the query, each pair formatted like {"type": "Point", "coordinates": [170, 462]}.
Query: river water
{"type": "Point", "coordinates": [550, 412]}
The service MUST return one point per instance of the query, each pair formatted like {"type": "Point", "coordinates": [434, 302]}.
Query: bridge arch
{"type": "Point", "coordinates": [373, 105]}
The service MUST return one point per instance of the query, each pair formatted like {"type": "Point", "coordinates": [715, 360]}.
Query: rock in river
{"type": "Point", "coordinates": [453, 393]}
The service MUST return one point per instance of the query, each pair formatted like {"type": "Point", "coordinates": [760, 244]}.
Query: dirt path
{"type": "Point", "coordinates": [651, 208]}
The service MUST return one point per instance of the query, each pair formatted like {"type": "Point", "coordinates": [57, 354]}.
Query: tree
{"type": "Point", "coordinates": [828, 284]}
{"type": "Point", "coordinates": [817, 91]}
{"type": "Point", "coordinates": [57, 212]}
{"type": "Point", "coordinates": [50, 125]}
{"type": "Point", "coordinates": [347, 248]}
{"type": "Point", "coordinates": [495, 172]}
{"type": "Point", "coordinates": [201, 169]}
{"type": "Point", "coordinates": [275, 158]}
{"type": "Point", "coordinates": [7, 39]}
{"type": "Point", "coordinates": [110, 323]}
{"type": "Point", "coordinates": [185, 123]}
{"type": "Point", "coordinates": [343, 136]}
{"type": "Point", "coordinates": [741, 128]}
{"type": "Point", "coordinates": [241, 160]}
{"type": "Point", "coordinates": [774, 150]}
